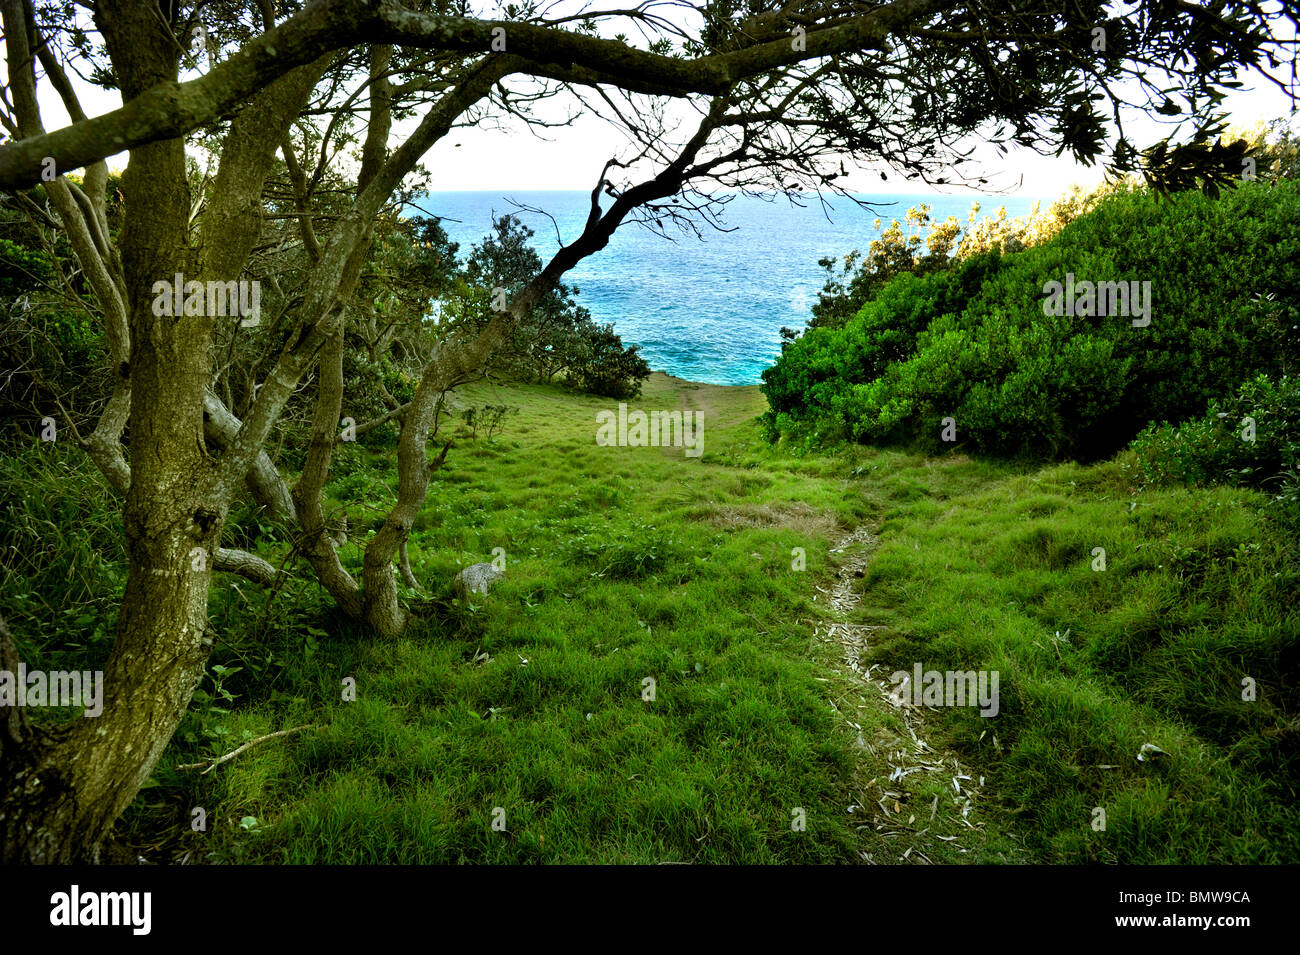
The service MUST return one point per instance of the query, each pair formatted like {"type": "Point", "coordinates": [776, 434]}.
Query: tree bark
{"type": "Point", "coordinates": [63, 789]}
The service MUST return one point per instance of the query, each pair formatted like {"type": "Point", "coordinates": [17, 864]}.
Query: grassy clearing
{"type": "Point", "coordinates": [628, 563]}
{"type": "Point", "coordinates": [622, 564]}
{"type": "Point", "coordinates": [1197, 595]}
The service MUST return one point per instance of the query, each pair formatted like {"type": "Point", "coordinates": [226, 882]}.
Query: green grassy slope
{"type": "Point", "coordinates": [632, 563]}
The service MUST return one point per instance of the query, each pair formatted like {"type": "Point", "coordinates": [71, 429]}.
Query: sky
{"type": "Point", "coordinates": [571, 158]}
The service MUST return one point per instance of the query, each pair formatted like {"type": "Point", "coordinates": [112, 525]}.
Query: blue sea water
{"type": "Point", "coordinates": [706, 309]}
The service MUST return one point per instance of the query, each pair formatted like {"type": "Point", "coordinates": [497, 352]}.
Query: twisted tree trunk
{"type": "Point", "coordinates": [61, 790]}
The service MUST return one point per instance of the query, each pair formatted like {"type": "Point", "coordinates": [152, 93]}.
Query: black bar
{"type": "Point", "coordinates": [334, 905]}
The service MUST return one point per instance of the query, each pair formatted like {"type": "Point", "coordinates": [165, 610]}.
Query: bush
{"type": "Point", "coordinates": [1250, 439]}
{"type": "Point", "coordinates": [491, 418]}
{"type": "Point", "coordinates": [973, 342]}
{"type": "Point", "coordinates": [895, 252]}
{"type": "Point", "coordinates": [814, 370]}
{"type": "Point", "coordinates": [599, 364]}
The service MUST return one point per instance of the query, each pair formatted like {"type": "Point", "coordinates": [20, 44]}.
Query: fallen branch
{"type": "Point", "coordinates": [247, 565]}
{"type": "Point", "coordinates": [214, 763]}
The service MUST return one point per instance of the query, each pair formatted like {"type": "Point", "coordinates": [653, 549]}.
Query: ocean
{"type": "Point", "coordinates": [707, 309]}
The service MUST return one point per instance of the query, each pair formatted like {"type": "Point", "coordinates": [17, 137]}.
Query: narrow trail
{"type": "Point", "coordinates": [892, 805]}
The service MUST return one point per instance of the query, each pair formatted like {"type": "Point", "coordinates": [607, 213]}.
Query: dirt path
{"type": "Point", "coordinates": [898, 811]}
{"type": "Point", "coordinates": [925, 799]}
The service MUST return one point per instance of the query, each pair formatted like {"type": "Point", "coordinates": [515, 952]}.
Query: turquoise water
{"type": "Point", "coordinates": [706, 309]}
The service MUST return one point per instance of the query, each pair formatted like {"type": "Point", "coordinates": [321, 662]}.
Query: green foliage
{"type": "Point", "coordinates": [367, 380]}
{"type": "Point", "coordinates": [599, 364]}
{"type": "Point", "coordinates": [629, 552]}
{"type": "Point", "coordinates": [812, 372]}
{"type": "Point", "coordinates": [1251, 439]}
{"type": "Point", "coordinates": [491, 418]}
{"type": "Point", "coordinates": [557, 338]}
{"type": "Point", "coordinates": [1279, 150]}
{"type": "Point", "coordinates": [62, 553]}
{"type": "Point", "coordinates": [48, 339]}
{"type": "Point", "coordinates": [894, 253]}
{"type": "Point", "coordinates": [22, 269]}
{"type": "Point", "coordinates": [1017, 380]}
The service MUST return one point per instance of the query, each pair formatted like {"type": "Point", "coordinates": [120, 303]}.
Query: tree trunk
{"type": "Point", "coordinates": [62, 789]}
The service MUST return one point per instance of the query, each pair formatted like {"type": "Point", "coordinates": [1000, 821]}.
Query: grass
{"type": "Point", "coordinates": [1196, 600]}
{"type": "Point", "coordinates": [528, 707]}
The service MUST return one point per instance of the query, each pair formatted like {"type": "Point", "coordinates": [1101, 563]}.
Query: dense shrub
{"type": "Point", "coordinates": [558, 338]}
{"type": "Point", "coordinates": [896, 252]}
{"type": "Point", "coordinates": [48, 339]}
{"type": "Point", "coordinates": [1251, 439]}
{"type": "Point", "coordinates": [598, 363]}
{"type": "Point", "coordinates": [884, 332]}
{"type": "Point", "coordinates": [974, 343]}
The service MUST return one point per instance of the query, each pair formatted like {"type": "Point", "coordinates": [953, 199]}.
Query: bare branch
{"type": "Point", "coordinates": [212, 764]}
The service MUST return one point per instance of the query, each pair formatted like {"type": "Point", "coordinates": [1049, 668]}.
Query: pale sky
{"type": "Point", "coordinates": [571, 157]}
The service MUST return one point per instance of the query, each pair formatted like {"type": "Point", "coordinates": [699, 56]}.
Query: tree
{"type": "Point", "coordinates": [557, 336]}
{"type": "Point", "coordinates": [782, 95]}
{"type": "Point", "coordinates": [598, 362]}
